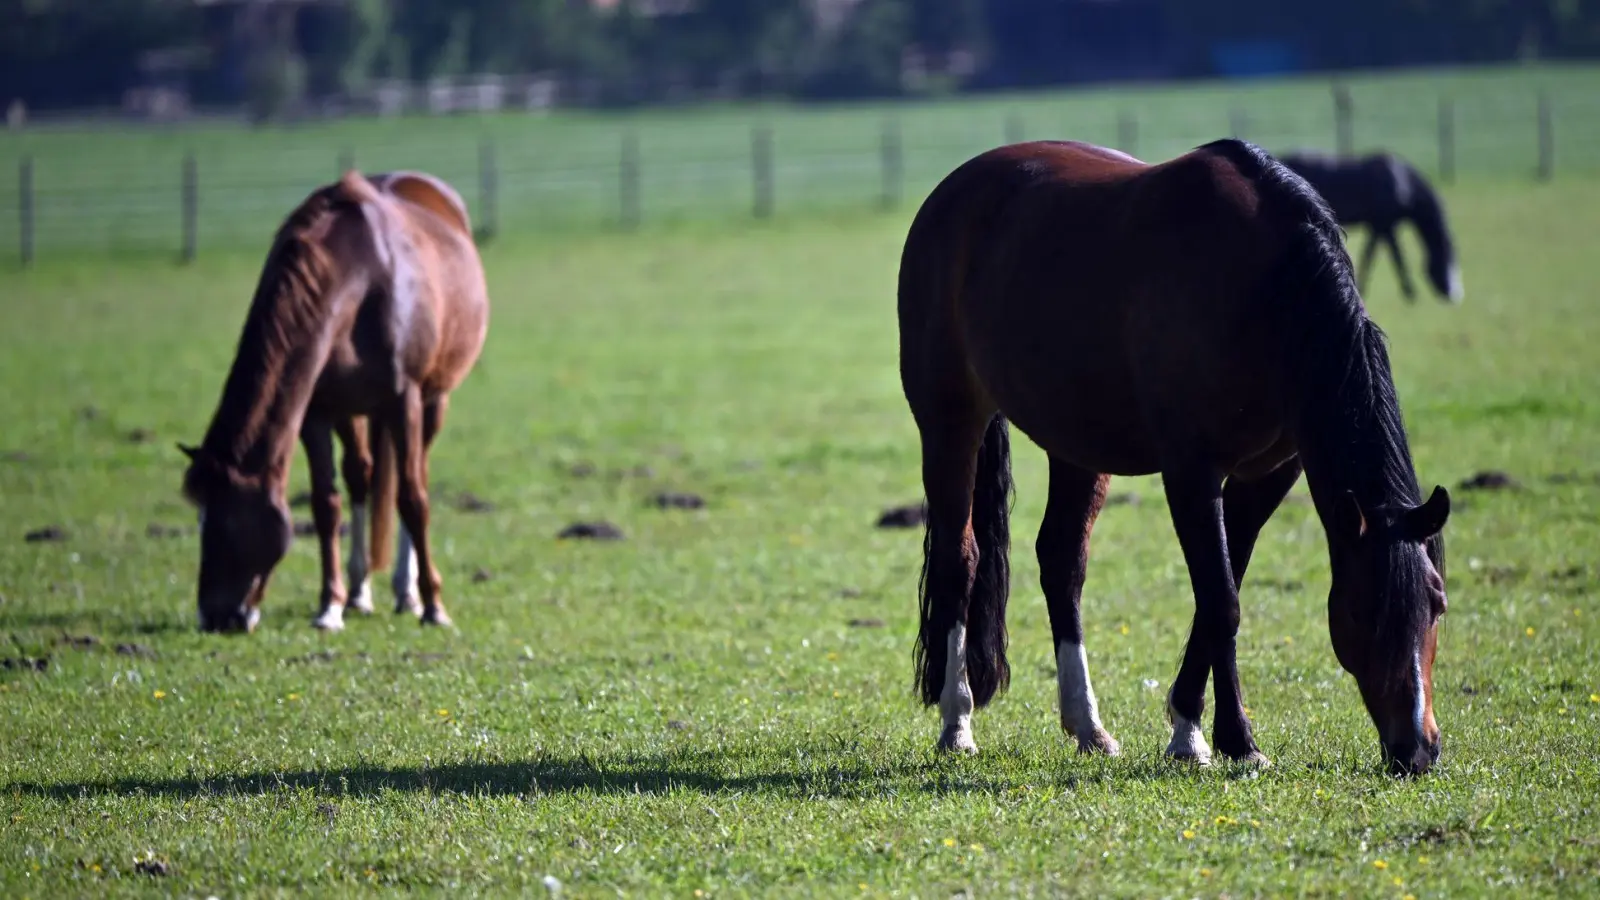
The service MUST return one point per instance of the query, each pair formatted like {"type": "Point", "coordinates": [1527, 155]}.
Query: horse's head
{"type": "Point", "coordinates": [244, 532]}
{"type": "Point", "coordinates": [1383, 616]}
{"type": "Point", "coordinates": [1445, 276]}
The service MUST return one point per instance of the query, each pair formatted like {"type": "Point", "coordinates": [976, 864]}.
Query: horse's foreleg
{"type": "Point", "coordinates": [413, 431]}
{"type": "Point", "coordinates": [1076, 497]}
{"type": "Point", "coordinates": [317, 438]}
{"type": "Point", "coordinates": [356, 464]}
{"type": "Point", "coordinates": [1367, 254]}
{"type": "Point", "coordinates": [1406, 288]}
{"type": "Point", "coordinates": [1194, 496]}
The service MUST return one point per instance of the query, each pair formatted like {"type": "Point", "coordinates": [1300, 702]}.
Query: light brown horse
{"type": "Point", "coordinates": [371, 308]}
{"type": "Point", "coordinates": [1198, 319]}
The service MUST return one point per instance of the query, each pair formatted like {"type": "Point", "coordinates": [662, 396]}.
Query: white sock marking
{"type": "Point", "coordinates": [955, 701]}
{"type": "Point", "coordinates": [1457, 291]}
{"type": "Point", "coordinates": [360, 589]}
{"type": "Point", "coordinates": [405, 575]}
{"type": "Point", "coordinates": [1080, 713]}
{"type": "Point", "coordinates": [332, 618]}
{"type": "Point", "coordinates": [1187, 740]}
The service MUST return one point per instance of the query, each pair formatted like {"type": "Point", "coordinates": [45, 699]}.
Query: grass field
{"type": "Point", "coordinates": [721, 704]}
{"type": "Point", "coordinates": [99, 188]}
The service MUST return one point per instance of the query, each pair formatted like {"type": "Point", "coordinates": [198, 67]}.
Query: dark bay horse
{"type": "Point", "coordinates": [371, 308]}
{"type": "Point", "coordinates": [1196, 318]}
{"type": "Point", "coordinates": [1380, 191]}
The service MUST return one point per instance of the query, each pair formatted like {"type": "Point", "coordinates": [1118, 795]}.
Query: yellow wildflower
{"type": "Point", "coordinates": [1594, 698]}
{"type": "Point", "coordinates": [293, 697]}
{"type": "Point", "coordinates": [1379, 864]}
{"type": "Point", "coordinates": [949, 842]}
{"type": "Point", "coordinates": [159, 695]}
{"type": "Point", "coordinates": [1124, 629]}
{"type": "Point", "coordinates": [1188, 835]}
{"type": "Point", "coordinates": [1398, 881]}
{"type": "Point", "coordinates": [1530, 631]}
{"type": "Point", "coordinates": [1205, 873]}
{"type": "Point", "coordinates": [977, 848]}
{"type": "Point", "coordinates": [443, 713]}
{"type": "Point", "coordinates": [837, 695]}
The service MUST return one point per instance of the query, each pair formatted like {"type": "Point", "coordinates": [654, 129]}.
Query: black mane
{"type": "Point", "coordinates": [1347, 424]}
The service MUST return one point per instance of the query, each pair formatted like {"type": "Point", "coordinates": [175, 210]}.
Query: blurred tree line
{"type": "Point", "coordinates": [62, 53]}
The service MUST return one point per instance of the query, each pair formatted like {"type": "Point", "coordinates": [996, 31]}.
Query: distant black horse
{"type": "Point", "coordinates": [1380, 190]}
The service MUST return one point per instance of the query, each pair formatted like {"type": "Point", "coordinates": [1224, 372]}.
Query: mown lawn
{"type": "Point", "coordinates": [721, 703]}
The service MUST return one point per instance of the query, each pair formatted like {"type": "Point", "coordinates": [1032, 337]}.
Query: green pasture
{"type": "Point", "coordinates": [100, 187]}
{"type": "Point", "coordinates": [721, 703]}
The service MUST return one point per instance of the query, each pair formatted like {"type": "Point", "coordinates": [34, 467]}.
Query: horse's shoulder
{"type": "Point", "coordinates": [428, 192]}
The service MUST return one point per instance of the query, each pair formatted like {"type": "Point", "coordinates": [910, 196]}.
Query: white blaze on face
{"type": "Point", "coordinates": [404, 580]}
{"type": "Point", "coordinates": [1080, 713]}
{"type": "Point", "coordinates": [955, 702]}
{"type": "Point", "coordinates": [360, 589]}
{"type": "Point", "coordinates": [1419, 709]}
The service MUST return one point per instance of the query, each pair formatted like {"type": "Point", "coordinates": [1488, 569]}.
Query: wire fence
{"type": "Point", "coordinates": [187, 191]}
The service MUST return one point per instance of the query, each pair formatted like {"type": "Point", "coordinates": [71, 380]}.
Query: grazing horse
{"type": "Point", "coordinates": [371, 308]}
{"type": "Point", "coordinates": [1196, 318]}
{"type": "Point", "coordinates": [1381, 190]}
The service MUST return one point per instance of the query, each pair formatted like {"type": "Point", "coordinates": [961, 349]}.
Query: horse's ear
{"type": "Point", "coordinates": [1348, 522]}
{"type": "Point", "coordinates": [1427, 520]}
{"type": "Point", "coordinates": [192, 452]}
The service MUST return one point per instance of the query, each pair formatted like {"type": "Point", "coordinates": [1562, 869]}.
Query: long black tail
{"type": "Point", "coordinates": [988, 672]}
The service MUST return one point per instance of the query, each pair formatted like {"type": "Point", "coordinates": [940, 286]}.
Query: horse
{"type": "Point", "coordinates": [371, 308]}
{"type": "Point", "coordinates": [1197, 318]}
{"type": "Point", "coordinates": [1381, 190]}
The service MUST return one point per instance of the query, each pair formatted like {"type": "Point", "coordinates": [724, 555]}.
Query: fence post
{"type": "Point", "coordinates": [1547, 139]}
{"type": "Point", "coordinates": [488, 191]}
{"type": "Point", "coordinates": [1238, 122]}
{"type": "Point", "coordinates": [1343, 120]}
{"type": "Point", "coordinates": [1014, 130]}
{"type": "Point", "coordinates": [1447, 140]}
{"type": "Point", "coordinates": [1128, 133]}
{"type": "Point", "coordinates": [25, 209]}
{"type": "Point", "coordinates": [190, 201]}
{"type": "Point", "coordinates": [761, 164]}
{"type": "Point", "coordinates": [347, 161]}
{"type": "Point", "coordinates": [893, 163]}
{"type": "Point", "coordinates": [630, 181]}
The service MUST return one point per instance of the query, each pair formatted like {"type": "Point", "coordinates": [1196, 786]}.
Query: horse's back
{"type": "Point", "coordinates": [1067, 279]}
{"type": "Point", "coordinates": [427, 312]}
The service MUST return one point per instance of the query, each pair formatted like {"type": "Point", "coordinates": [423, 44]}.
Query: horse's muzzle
{"type": "Point", "coordinates": [1411, 757]}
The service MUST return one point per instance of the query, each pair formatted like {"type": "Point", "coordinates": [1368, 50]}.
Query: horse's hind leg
{"type": "Point", "coordinates": [1076, 497]}
{"type": "Point", "coordinates": [317, 438]}
{"type": "Point", "coordinates": [1246, 507]}
{"type": "Point", "coordinates": [356, 465]}
{"type": "Point", "coordinates": [415, 428]}
{"type": "Point", "coordinates": [960, 647]}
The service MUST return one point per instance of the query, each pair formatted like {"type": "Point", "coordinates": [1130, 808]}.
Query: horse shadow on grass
{"type": "Point", "coordinates": [776, 774]}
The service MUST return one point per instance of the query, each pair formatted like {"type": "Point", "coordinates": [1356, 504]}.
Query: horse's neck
{"type": "Point", "coordinates": [269, 388]}
{"type": "Point", "coordinates": [1351, 437]}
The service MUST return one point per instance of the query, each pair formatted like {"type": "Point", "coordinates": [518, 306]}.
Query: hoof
{"type": "Point", "coordinates": [331, 619]}
{"type": "Point", "coordinates": [436, 616]}
{"type": "Point", "coordinates": [411, 604]}
{"type": "Point", "coordinates": [957, 740]}
{"type": "Point", "coordinates": [1099, 742]}
{"type": "Point", "coordinates": [1254, 759]}
{"type": "Point", "coordinates": [362, 601]}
